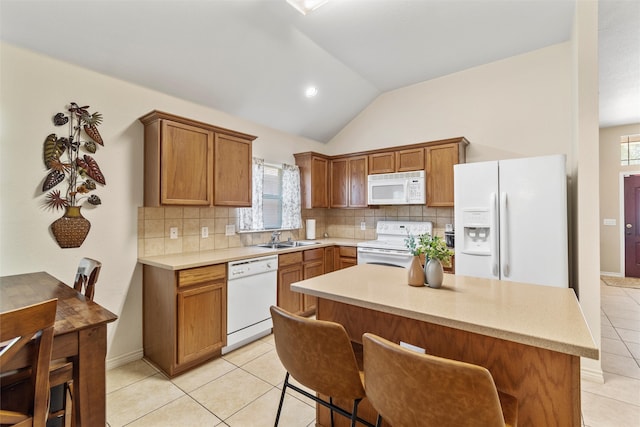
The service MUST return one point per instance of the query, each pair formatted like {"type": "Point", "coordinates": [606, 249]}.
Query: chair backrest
{"type": "Point", "coordinates": [18, 328]}
{"type": "Point", "coordinates": [318, 354]}
{"type": "Point", "coordinates": [87, 276]}
{"type": "Point", "coordinates": [409, 388]}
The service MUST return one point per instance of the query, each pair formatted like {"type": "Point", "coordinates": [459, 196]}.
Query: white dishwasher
{"type": "Point", "coordinates": [251, 290]}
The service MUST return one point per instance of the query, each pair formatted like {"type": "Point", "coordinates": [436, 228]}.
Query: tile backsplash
{"type": "Point", "coordinates": [154, 225]}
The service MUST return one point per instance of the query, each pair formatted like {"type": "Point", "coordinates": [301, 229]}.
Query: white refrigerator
{"type": "Point", "coordinates": [511, 220]}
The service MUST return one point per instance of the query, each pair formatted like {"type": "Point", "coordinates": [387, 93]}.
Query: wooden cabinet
{"type": "Point", "coordinates": [341, 181]}
{"type": "Point", "coordinates": [349, 182]}
{"type": "Point", "coordinates": [314, 178]}
{"type": "Point", "coordinates": [232, 167]}
{"type": "Point", "coordinates": [406, 160]}
{"type": "Point", "coordinates": [440, 162]}
{"type": "Point", "coordinates": [345, 256]}
{"type": "Point", "coordinates": [410, 160]}
{"type": "Point", "coordinates": [329, 259]}
{"type": "Point", "coordinates": [294, 267]}
{"type": "Point", "coordinates": [382, 162]}
{"type": "Point", "coordinates": [184, 316]}
{"type": "Point", "coordinates": [289, 271]}
{"type": "Point", "coordinates": [190, 163]}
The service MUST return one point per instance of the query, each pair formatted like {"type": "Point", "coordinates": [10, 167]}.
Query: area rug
{"type": "Point", "coordinates": [622, 282]}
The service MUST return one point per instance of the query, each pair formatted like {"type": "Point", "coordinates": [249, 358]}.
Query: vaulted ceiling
{"type": "Point", "coordinates": [255, 58]}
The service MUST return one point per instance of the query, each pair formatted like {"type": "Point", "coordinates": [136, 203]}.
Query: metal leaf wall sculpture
{"type": "Point", "coordinates": [65, 162]}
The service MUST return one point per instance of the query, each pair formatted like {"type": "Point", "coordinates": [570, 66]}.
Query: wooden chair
{"type": "Point", "coordinates": [18, 330]}
{"type": "Point", "coordinates": [410, 389]}
{"type": "Point", "coordinates": [61, 373]}
{"type": "Point", "coordinates": [87, 276]}
{"type": "Point", "coordinates": [318, 354]}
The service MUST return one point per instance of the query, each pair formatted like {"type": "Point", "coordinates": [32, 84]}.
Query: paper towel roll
{"type": "Point", "coordinates": [311, 229]}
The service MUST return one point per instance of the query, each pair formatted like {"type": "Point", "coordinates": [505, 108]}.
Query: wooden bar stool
{"type": "Point", "coordinates": [318, 354]}
{"type": "Point", "coordinates": [414, 389]}
{"type": "Point", "coordinates": [17, 332]}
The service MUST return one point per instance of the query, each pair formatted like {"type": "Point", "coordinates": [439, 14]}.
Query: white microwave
{"type": "Point", "coordinates": [402, 188]}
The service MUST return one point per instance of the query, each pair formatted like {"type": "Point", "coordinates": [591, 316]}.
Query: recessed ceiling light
{"type": "Point", "coordinates": [306, 6]}
{"type": "Point", "coordinates": [311, 91]}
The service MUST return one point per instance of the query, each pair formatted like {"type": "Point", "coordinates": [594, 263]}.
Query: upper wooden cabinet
{"type": "Point", "coordinates": [232, 167]}
{"type": "Point", "coordinates": [345, 176]}
{"type": "Point", "coordinates": [314, 178]}
{"type": "Point", "coordinates": [349, 182]}
{"type": "Point", "coordinates": [440, 162]}
{"type": "Point", "coordinates": [187, 162]}
{"type": "Point", "coordinates": [397, 161]}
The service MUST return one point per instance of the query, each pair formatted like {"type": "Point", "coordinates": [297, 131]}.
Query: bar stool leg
{"type": "Point", "coordinates": [284, 390]}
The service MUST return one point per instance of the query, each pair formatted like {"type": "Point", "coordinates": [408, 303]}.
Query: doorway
{"type": "Point", "coordinates": [631, 226]}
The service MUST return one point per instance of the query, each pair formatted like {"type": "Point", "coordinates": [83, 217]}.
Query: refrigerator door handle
{"type": "Point", "coordinates": [504, 234]}
{"type": "Point", "coordinates": [495, 270]}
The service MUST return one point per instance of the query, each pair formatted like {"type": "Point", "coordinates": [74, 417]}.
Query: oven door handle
{"type": "Point", "coordinates": [369, 251]}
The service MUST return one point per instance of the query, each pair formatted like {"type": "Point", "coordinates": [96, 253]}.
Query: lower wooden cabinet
{"type": "Point", "coordinates": [345, 256]}
{"type": "Point", "coordinates": [184, 316]}
{"type": "Point", "coordinates": [289, 271]}
{"type": "Point", "coordinates": [293, 267]}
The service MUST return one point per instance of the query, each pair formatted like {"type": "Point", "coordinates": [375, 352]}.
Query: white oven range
{"type": "Point", "coordinates": [389, 248]}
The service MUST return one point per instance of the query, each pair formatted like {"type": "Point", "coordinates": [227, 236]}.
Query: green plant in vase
{"type": "Point", "coordinates": [416, 273]}
{"type": "Point", "coordinates": [68, 160]}
{"type": "Point", "coordinates": [436, 252]}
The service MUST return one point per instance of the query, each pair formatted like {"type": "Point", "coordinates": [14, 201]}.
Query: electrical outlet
{"type": "Point", "coordinates": [204, 232]}
{"type": "Point", "coordinates": [363, 225]}
{"type": "Point", "coordinates": [229, 230]}
{"type": "Point", "coordinates": [173, 232]}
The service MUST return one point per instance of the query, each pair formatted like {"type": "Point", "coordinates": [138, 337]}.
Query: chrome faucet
{"type": "Point", "coordinates": [275, 237]}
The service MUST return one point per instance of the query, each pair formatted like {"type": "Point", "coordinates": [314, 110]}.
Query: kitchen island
{"type": "Point", "coordinates": [529, 337]}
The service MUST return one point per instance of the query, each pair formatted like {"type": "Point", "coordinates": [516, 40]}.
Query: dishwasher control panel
{"type": "Point", "coordinates": [250, 267]}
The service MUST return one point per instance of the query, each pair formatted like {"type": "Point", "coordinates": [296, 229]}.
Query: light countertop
{"type": "Point", "coordinates": [199, 259]}
{"type": "Point", "coordinates": [540, 316]}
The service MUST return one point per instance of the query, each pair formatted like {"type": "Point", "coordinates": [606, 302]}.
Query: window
{"type": "Point", "coordinates": [276, 199]}
{"type": "Point", "coordinates": [272, 197]}
{"type": "Point", "coordinates": [630, 150]}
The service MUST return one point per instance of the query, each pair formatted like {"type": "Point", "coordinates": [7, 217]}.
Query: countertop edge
{"type": "Point", "coordinates": [182, 261]}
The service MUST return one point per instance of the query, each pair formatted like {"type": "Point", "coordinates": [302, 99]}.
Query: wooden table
{"type": "Point", "coordinates": [529, 337]}
{"type": "Point", "coordinates": [80, 334]}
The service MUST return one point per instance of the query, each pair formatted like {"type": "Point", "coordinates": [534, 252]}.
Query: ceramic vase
{"type": "Point", "coordinates": [434, 273]}
{"type": "Point", "coordinates": [71, 229]}
{"type": "Point", "coordinates": [415, 273]}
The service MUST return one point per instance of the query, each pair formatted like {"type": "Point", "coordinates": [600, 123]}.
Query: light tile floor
{"type": "Point", "coordinates": [243, 387]}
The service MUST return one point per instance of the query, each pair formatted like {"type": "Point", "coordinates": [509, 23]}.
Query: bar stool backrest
{"type": "Point", "coordinates": [318, 354]}
{"type": "Point", "coordinates": [410, 389]}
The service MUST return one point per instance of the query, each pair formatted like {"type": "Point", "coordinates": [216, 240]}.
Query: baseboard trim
{"type": "Point", "coordinates": [593, 375]}
{"type": "Point", "coordinates": [124, 359]}
{"type": "Point", "coordinates": [611, 273]}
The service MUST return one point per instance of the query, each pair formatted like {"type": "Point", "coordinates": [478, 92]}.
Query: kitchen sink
{"type": "Point", "coordinates": [288, 244]}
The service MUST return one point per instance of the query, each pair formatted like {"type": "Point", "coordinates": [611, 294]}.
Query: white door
{"type": "Point", "coordinates": [475, 186]}
{"type": "Point", "coordinates": [533, 217]}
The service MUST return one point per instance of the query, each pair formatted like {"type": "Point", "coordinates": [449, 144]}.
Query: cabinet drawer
{"type": "Point", "coordinates": [348, 251]}
{"type": "Point", "coordinates": [290, 258]}
{"type": "Point", "coordinates": [313, 254]}
{"type": "Point", "coordinates": [201, 274]}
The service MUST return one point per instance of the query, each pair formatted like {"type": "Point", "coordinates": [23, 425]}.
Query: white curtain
{"type": "Point", "coordinates": [251, 218]}
{"type": "Point", "coordinates": [291, 215]}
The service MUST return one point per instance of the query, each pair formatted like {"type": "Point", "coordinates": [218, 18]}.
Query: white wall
{"type": "Point", "coordinates": [34, 88]}
{"type": "Point", "coordinates": [520, 106]}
